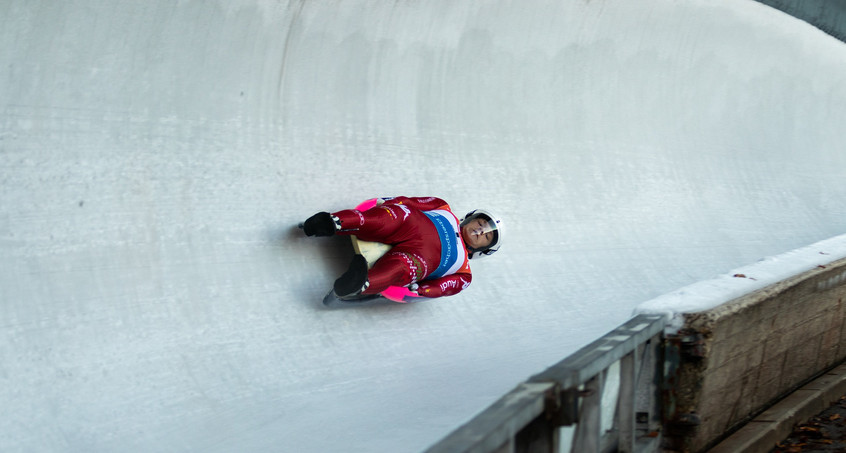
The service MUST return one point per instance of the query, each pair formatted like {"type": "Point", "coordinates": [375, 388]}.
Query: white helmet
{"type": "Point", "coordinates": [493, 224]}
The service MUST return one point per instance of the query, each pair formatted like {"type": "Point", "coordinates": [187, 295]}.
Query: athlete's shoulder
{"type": "Point", "coordinates": [465, 270]}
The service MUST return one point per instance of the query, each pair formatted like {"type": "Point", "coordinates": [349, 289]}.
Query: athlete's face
{"type": "Point", "coordinates": [477, 233]}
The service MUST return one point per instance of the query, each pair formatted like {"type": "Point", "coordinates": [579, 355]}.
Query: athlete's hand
{"type": "Point", "coordinates": [398, 293]}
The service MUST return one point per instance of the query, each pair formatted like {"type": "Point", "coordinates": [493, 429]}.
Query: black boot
{"type": "Point", "coordinates": [320, 224]}
{"type": "Point", "coordinates": [354, 280]}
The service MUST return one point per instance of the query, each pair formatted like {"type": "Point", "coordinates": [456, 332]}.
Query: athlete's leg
{"type": "Point", "coordinates": [376, 224]}
{"type": "Point", "coordinates": [354, 280]}
{"type": "Point", "coordinates": [396, 268]}
{"type": "Point", "coordinates": [320, 224]}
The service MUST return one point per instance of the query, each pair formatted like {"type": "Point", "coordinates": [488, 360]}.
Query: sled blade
{"type": "Point", "coordinates": [333, 301]}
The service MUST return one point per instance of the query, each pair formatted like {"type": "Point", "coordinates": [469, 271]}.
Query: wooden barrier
{"type": "Point", "coordinates": [757, 349]}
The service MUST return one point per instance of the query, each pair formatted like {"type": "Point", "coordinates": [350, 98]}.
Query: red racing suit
{"type": "Point", "coordinates": [427, 247]}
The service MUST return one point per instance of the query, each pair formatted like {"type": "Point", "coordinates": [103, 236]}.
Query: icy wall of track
{"type": "Point", "coordinates": [156, 156]}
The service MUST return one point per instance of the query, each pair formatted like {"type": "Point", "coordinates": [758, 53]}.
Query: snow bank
{"type": "Point", "coordinates": [707, 294]}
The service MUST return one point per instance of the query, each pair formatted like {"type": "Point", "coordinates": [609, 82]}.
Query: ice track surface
{"type": "Point", "coordinates": [157, 156]}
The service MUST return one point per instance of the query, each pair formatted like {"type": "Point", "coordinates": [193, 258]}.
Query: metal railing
{"type": "Point", "coordinates": [605, 397]}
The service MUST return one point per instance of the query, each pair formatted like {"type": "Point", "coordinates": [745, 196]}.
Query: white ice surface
{"type": "Point", "coordinates": [156, 156]}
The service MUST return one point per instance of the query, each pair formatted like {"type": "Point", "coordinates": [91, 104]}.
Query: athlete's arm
{"type": "Point", "coordinates": [444, 286]}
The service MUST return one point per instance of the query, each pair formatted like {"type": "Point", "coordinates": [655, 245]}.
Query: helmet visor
{"type": "Point", "coordinates": [479, 232]}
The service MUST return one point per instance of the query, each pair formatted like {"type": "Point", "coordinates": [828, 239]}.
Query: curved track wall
{"type": "Point", "coordinates": [157, 156]}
